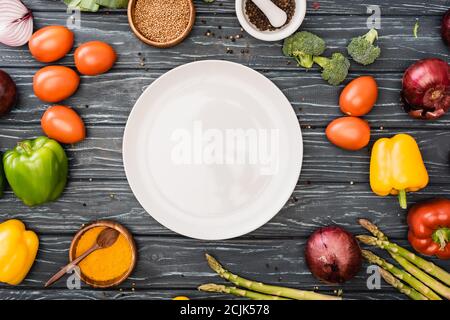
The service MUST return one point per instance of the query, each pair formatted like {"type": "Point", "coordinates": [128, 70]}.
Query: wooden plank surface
{"type": "Point", "coordinates": [333, 186]}
{"type": "Point", "coordinates": [314, 101]}
{"type": "Point", "coordinates": [161, 294]}
{"type": "Point", "coordinates": [389, 7]}
{"type": "Point", "coordinates": [162, 267]}
{"type": "Point", "coordinates": [400, 48]}
{"type": "Point", "coordinates": [310, 207]}
{"type": "Point", "coordinates": [100, 155]}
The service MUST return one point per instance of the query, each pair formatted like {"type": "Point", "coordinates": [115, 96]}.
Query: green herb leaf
{"type": "Point", "coordinates": [113, 4]}
{"type": "Point", "coordinates": [94, 5]}
{"type": "Point", "coordinates": [209, 1]}
{"type": "Point", "coordinates": [89, 5]}
{"type": "Point", "coordinates": [72, 3]}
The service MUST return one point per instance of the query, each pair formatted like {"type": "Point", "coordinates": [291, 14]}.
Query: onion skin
{"type": "Point", "coordinates": [16, 23]}
{"type": "Point", "coordinates": [426, 89]}
{"type": "Point", "coordinates": [8, 93]}
{"type": "Point", "coordinates": [445, 27]}
{"type": "Point", "coordinates": [333, 255]}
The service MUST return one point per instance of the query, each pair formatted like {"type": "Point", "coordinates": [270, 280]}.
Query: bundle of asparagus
{"type": "Point", "coordinates": [424, 280]}
{"type": "Point", "coordinates": [257, 290]}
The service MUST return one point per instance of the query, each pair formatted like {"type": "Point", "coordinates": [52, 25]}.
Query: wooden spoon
{"type": "Point", "coordinates": [105, 239]}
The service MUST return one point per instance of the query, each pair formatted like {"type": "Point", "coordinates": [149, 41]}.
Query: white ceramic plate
{"type": "Point", "coordinates": [212, 150]}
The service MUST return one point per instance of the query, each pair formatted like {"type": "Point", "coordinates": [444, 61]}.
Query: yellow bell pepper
{"type": "Point", "coordinates": [396, 166]}
{"type": "Point", "coordinates": [18, 248]}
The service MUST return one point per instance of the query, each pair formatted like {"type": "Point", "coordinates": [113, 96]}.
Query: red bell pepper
{"type": "Point", "coordinates": [429, 227]}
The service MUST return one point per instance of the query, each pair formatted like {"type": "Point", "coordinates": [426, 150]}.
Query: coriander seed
{"type": "Point", "coordinates": [162, 20]}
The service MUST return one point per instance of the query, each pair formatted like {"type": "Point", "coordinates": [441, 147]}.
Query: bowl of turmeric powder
{"type": "Point", "coordinates": [106, 267]}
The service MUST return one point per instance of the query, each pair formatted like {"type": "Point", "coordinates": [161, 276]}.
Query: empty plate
{"type": "Point", "coordinates": [212, 150]}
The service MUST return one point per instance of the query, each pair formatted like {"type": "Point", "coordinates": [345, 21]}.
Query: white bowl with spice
{"type": "Point", "coordinates": [253, 20]}
{"type": "Point", "coordinates": [161, 23]}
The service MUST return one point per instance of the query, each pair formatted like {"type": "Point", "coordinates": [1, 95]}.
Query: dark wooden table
{"type": "Point", "coordinates": [333, 187]}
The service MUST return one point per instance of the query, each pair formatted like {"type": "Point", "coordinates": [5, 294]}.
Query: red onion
{"type": "Point", "coordinates": [333, 255]}
{"type": "Point", "coordinates": [16, 23]}
{"type": "Point", "coordinates": [426, 89]}
{"type": "Point", "coordinates": [445, 27]}
{"type": "Point", "coordinates": [8, 93]}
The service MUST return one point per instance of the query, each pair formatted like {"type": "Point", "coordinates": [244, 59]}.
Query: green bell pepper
{"type": "Point", "coordinates": [36, 170]}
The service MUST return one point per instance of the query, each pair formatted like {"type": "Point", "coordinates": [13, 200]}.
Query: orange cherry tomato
{"type": "Point", "coordinates": [95, 57]}
{"type": "Point", "coordinates": [55, 83]}
{"type": "Point", "coordinates": [50, 43]}
{"type": "Point", "coordinates": [359, 96]}
{"type": "Point", "coordinates": [350, 133]}
{"type": "Point", "coordinates": [63, 124]}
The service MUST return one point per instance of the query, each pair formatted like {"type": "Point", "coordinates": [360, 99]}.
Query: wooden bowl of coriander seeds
{"type": "Point", "coordinates": [161, 23]}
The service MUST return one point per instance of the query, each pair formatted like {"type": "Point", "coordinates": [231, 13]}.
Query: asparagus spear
{"type": "Point", "coordinates": [419, 274]}
{"type": "Point", "coordinates": [373, 229]}
{"type": "Point", "coordinates": [421, 287]}
{"type": "Point", "coordinates": [264, 288]}
{"type": "Point", "coordinates": [211, 287]}
{"type": "Point", "coordinates": [440, 288]}
{"type": "Point", "coordinates": [403, 288]}
{"type": "Point", "coordinates": [401, 274]}
{"type": "Point", "coordinates": [425, 265]}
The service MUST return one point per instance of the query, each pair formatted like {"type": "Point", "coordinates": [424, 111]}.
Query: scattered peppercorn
{"type": "Point", "coordinates": [259, 19]}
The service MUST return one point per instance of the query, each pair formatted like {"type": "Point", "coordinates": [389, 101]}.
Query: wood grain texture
{"type": "Point", "coordinates": [108, 99]}
{"type": "Point", "coordinates": [333, 187]}
{"type": "Point", "coordinates": [100, 155]}
{"type": "Point", "coordinates": [311, 206]}
{"type": "Point", "coordinates": [399, 47]}
{"type": "Point", "coordinates": [162, 267]}
{"type": "Point", "coordinates": [354, 7]}
{"type": "Point", "coordinates": [385, 293]}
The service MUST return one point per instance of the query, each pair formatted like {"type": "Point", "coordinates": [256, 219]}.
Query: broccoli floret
{"type": "Point", "coordinates": [362, 50]}
{"type": "Point", "coordinates": [335, 69]}
{"type": "Point", "coordinates": [303, 46]}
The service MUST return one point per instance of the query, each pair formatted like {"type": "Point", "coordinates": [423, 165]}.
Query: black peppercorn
{"type": "Point", "coordinates": [259, 19]}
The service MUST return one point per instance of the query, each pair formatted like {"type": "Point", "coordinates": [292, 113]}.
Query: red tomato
{"type": "Point", "coordinates": [350, 133]}
{"type": "Point", "coordinates": [51, 43]}
{"type": "Point", "coordinates": [55, 83]}
{"type": "Point", "coordinates": [63, 124]}
{"type": "Point", "coordinates": [359, 96]}
{"type": "Point", "coordinates": [95, 57]}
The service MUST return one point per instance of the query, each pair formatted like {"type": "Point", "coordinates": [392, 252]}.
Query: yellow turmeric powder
{"type": "Point", "coordinates": [104, 264]}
